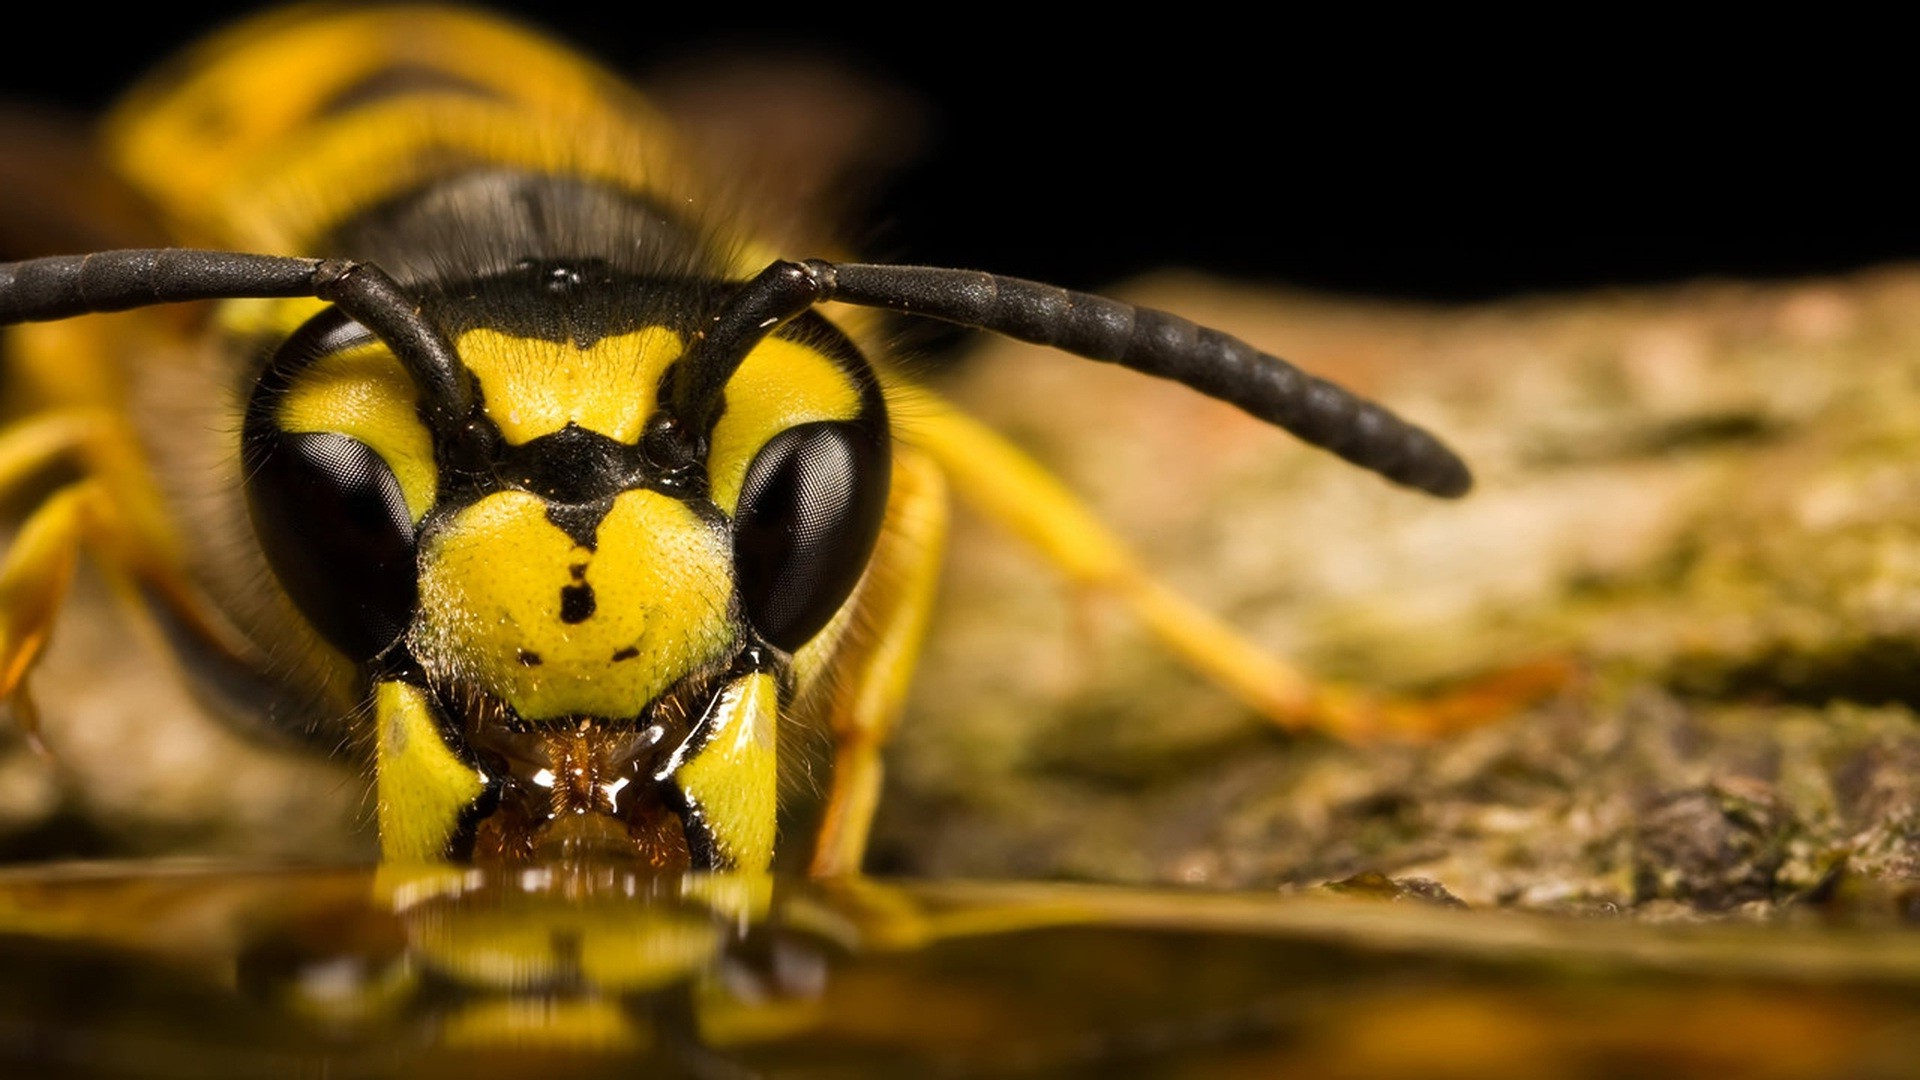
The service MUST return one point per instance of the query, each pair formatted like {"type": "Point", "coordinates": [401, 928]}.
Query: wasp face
{"type": "Point", "coordinates": [577, 636]}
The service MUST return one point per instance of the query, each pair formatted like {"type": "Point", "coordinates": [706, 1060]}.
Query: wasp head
{"type": "Point", "coordinates": [575, 614]}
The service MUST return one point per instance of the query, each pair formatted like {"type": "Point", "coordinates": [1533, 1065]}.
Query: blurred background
{"type": "Point", "coordinates": [1432, 158]}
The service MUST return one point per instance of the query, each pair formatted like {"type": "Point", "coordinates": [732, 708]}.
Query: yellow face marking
{"type": "Point", "coordinates": [512, 606]}
{"type": "Point", "coordinates": [423, 787]}
{"type": "Point", "coordinates": [365, 394]}
{"type": "Point", "coordinates": [779, 385]}
{"type": "Point", "coordinates": [731, 781]}
{"type": "Point", "coordinates": [534, 388]}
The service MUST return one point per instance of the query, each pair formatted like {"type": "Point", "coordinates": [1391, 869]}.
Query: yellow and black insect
{"type": "Point", "coordinates": [518, 452]}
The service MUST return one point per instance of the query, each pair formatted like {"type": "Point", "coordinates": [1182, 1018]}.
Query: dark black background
{"type": "Point", "coordinates": [1437, 158]}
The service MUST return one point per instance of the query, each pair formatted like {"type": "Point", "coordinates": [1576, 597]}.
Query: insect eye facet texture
{"type": "Point", "coordinates": [497, 445]}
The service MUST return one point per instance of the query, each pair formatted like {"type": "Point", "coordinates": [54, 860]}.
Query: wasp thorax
{"type": "Point", "coordinates": [514, 607]}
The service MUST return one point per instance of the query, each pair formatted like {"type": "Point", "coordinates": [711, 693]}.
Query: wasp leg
{"type": "Point", "coordinates": [108, 509]}
{"type": "Point", "coordinates": [875, 666]}
{"type": "Point", "coordinates": [1012, 490]}
{"type": "Point", "coordinates": [33, 581]}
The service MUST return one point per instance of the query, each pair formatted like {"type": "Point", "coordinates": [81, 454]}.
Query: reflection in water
{"type": "Point", "coordinates": [584, 970]}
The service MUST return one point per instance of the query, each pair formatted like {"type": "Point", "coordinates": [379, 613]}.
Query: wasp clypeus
{"type": "Point", "coordinates": [558, 489]}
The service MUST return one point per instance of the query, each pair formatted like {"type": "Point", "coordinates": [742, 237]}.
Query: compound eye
{"type": "Point", "coordinates": [335, 528]}
{"type": "Point", "coordinates": [810, 510]}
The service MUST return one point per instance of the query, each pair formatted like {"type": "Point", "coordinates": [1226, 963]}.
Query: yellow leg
{"type": "Point", "coordinates": [110, 510]}
{"type": "Point", "coordinates": [95, 445]}
{"type": "Point", "coordinates": [1013, 491]}
{"type": "Point", "coordinates": [33, 445]}
{"type": "Point", "coordinates": [33, 581]}
{"type": "Point", "coordinates": [876, 664]}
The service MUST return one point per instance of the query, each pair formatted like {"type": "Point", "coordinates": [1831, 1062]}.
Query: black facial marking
{"type": "Point", "coordinates": [573, 465]}
{"type": "Point", "coordinates": [529, 659]}
{"type": "Point", "coordinates": [627, 653]}
{"type": "Point", "coordinates": [577, 473]}
{"type": "Point", "coordinates": [581, 522]}
{"type": "Point", "coordinates": [576, 603]}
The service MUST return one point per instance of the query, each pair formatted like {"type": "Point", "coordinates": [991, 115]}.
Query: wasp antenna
{"type": "Point", "coordinates": [776, 295]}
{"type": "Point", "coordinates": [63, 286]}
{"type": "Point", "coordinates": [1158, 343]}
{"type": "Point", "coordinates": [372, 299]}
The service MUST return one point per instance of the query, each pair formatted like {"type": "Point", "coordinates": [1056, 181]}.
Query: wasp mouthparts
{"type": "Point", "coordinates": [584, 788]}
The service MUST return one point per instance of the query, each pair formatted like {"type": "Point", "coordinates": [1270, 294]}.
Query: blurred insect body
{"type": "Point", "coordinates": [545, 461]}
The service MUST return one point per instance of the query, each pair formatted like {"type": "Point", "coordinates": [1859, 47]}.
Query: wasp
{"type": "Point", "coordinates": [513, 449]}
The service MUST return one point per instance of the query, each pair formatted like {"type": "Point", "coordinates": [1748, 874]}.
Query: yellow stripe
{"type": "Point", "coordinates": [248, 109]}
{"type": "Point", "coordinates": [339, 168]}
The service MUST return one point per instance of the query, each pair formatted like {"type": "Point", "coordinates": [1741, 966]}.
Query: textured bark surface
{"type": "Point", "coordinates": [1704, 496]}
